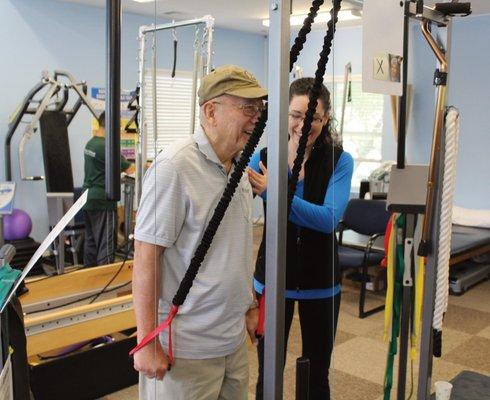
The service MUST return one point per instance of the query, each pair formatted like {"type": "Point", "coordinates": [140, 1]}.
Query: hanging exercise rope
{"type": "Point", "coordinates": [229, 191]}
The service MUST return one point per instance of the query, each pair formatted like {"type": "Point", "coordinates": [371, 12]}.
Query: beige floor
{"type": "Point", "coordinates": [359, 357]}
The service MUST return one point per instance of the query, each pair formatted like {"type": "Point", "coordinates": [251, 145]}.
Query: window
{"type": "Point", "coordinates": [174, 98]}
{"type": "Point", "coordinates": [363, 126]}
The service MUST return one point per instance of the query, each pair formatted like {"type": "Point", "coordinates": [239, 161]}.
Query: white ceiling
{"type": "Point", "coordinates": [244, 15]}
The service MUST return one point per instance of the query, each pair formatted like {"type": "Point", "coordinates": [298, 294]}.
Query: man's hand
{"type": "Point", "coordinates": [152, 361]}
{"type": "Point", "coordinates": [251, 322]}
{"type": "Point", "coordinates": [258, 181]}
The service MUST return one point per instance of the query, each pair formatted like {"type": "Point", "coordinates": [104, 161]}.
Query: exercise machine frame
{"type": "Point", "coordinates": [205, 60]}
{"type": "Point", "coordinates": [50, 100]}
{"type": "Point", "coordinates": [429, 198]}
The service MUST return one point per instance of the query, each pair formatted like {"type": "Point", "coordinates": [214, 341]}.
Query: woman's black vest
{"type": "Point", "coordinates": [312, 257]}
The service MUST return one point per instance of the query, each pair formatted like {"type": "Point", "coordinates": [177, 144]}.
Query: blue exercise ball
{"type": "Point", "coordinates": [17, 225]}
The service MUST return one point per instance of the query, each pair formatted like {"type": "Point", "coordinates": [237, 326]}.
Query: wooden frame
{"type": "Point", "coordinates": [46, 292]}
{"type": "Point", "coordinates": [61, 327]}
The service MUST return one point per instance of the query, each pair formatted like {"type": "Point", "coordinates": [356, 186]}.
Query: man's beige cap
{"type": "Point", "coordinates": [230, 79]}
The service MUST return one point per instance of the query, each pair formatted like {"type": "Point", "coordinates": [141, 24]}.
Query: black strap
{"type": "Point", "coordinates": [175, 59]}
{"type": "Point", "coordinates": [313, 101]}
{"type": "Point", "coordinates": [229, 191]}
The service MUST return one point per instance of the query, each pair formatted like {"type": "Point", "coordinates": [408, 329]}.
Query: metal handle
{"type": "Point", "coordinates": [424, 247]}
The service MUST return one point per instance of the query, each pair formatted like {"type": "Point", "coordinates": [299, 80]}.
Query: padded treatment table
{"type": "Point", "coordinates": [468, 242]}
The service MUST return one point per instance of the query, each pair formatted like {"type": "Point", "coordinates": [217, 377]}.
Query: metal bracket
{"type": "Point", "coordinates": [440, 78]}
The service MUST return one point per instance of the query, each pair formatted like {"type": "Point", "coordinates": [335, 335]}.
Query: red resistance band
{"type": "Point", "coordinates": [260, 327]}
{"type": "Point", "coordinates": [148, 338]}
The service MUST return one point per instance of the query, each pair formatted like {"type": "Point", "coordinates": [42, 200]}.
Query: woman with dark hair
{"type": "Point", "coordinates": [312, 270]}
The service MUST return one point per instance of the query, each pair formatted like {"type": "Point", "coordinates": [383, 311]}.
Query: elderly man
{"type": "Point", "coordinates": [180, 192]}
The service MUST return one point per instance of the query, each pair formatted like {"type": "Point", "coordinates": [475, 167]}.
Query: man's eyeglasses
{"type": "Point", "coordinates": [298, 117]}
{"type": "Point", "coordinates": [250, 110]}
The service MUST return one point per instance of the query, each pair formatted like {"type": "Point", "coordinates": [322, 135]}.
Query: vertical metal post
{"type": "Point", "coordinates": [347, 77]}
{"type": "Point", "coordinates": [2, 239]}
{"type": "Point", "coordinates": [113, 100]}
{"type": "Point", "coordinates": [402, 105]}
{"type": "Point", "coordinates": [141, 145]}
{"type": "Point", "coordinates": [425, 365]}
{"type": "Point", "coordinates": [60, 240]}
{"type": "Point", "coordinates": [278, 77]}
{"type": "Point", "coordinates": [128, 213]}
{"type": "Point", "coordinates": [195, 75]}
{"type": "Point", "coordinates": [209, 47]}
{"type": "Point", "coordinates": [2, 340]}
{"type": "Point", "coordinates": [302, 378]}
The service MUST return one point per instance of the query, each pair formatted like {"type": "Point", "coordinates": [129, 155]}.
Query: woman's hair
{"type": "Point", "coordinates": [303, 87]}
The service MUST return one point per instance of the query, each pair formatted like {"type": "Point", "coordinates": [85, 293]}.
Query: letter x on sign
{"type": "Point", "coordinates": [380, 71]}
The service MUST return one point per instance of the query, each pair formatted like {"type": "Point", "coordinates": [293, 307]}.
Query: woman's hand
{"type": "Point", "coordinates": [258, 181]}
{"type": "Point", "coordinates": [251, 322]}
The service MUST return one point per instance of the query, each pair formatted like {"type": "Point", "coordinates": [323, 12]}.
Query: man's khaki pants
{"type": "Point", "coordinates": [222, 378]}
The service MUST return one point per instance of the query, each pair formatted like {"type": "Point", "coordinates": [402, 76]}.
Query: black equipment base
{"type": "Point", "coordinates": [86, 375]}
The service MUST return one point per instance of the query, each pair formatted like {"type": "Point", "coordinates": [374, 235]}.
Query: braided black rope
{"type": "Point", "coordinates": [305, 29]}
{"type": "Point", "coordinates": [313, 101]}
{"type": "Point", "coordinates": [219, 212]}
{"type": "Point", "coordinates": [229, 191]}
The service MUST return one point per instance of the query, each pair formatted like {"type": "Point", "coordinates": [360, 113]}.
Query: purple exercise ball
{"type": "Point", "coordinates": [17, 225]}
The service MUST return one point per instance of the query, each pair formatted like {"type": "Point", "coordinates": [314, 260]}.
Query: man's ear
{"type": "Point", "coordinates": [209, 112]}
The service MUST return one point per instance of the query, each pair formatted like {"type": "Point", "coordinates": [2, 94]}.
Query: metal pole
{"type": "Point", "coordinates": [406, 305]}
{"type": "Point", "coordinates": [31, 128]}
{"type": "Point", "coordinates": [278, 77]}
{"type": "Point", "coordinates": [141, 145]}
{"type": "Point", "coordinates": [430, 275]}
{"type": "Point", "coordinates": [195, 74]}
{"type": "Point", "coordinates": [2, 239]}
{"type": "Point", "coordinates": [179, 24]}
{"type": "Point", "coordinates": [425, 364]}
{"type": "Point", "coordinates": [113, 100]}
{"type": "Point", "coordinates": [436, 137]}
{"type": "Point", "coordinates": [128, 212]}
{"type": "Point", "coordinates": [209, 50]}
{"type": "Point", "coordinates": [347, 75]}
{"type": "Point", "coordinates": [402, 105]}
{"type": "Point", "coordinates": [154, 95]}
{"type": "Point", "coordinates": [302, 378]}
{"type": "Point", "coordinates": [15, 123]}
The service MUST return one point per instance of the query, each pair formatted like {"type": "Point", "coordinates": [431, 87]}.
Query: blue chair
{"type": "Point", "coordinates": [365, 217]}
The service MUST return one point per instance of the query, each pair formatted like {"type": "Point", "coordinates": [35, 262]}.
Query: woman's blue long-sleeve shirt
{"type": "Point", "coordinates": [323, 218]}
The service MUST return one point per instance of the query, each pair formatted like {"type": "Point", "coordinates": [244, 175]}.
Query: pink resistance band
{"type": "Point", "coordinates": [148, 338]}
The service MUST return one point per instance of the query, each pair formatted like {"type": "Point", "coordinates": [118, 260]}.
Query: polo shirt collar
{"type": "Point", "coordinates": [205, 147]}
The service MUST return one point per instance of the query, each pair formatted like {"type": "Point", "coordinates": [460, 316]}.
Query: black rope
{"type": "Point", "coordinates": [219, 212]}
{"type": "Point", "coordinates": [174, 67]}
{"type": "Point", "coordinates": [305, 29]}
{"type": "Point", "coordinates": [229, 191]}
{"type": "Point", "coordinates": [313, 101]}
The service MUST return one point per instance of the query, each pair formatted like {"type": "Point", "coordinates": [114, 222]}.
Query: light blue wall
{"type": "Point", "coordinates": [469, 90]}
{"type": "Point", "coordinates": [47, 35]}
{"type": "Point", "coordinates": [55, 35]}
{"type": "Point", "coordinates": [347, 47]}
